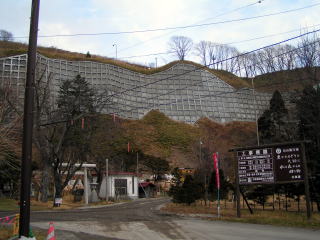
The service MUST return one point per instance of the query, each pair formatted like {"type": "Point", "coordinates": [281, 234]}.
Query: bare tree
{"type": "Point", "coordinates": [231, 62]}
{"type": "Point", "coordinates": [285, 58]}
{"type": "Point", "coordinates": [10, 126]}
{"type": "Point", "coordinates": [180, 46]}
{"type": "Point", "coordinates": [202, 50]}
{"type": "Point", "coordinates": [246, 65]}
{"type": "Point", "coordinates": [5, 35]}
{"type": "Point", "coordinates": [308, 52]}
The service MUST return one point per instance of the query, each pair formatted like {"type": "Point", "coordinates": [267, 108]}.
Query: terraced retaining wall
{"type": "Point", "coordinates": [183, 92]}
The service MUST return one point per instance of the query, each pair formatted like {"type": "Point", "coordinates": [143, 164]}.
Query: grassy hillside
{"type": "Point", "coordinates": [284, 81]}
{"type": "Point", "coordinates": [178, 142]}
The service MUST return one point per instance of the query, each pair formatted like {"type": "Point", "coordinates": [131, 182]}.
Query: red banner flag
{"type": "Point", "coordinates": [216, 168]}
{"type": "Point", "coordinates": [82, 123]}
{"type": "Point", "coordinates": [128, 147]}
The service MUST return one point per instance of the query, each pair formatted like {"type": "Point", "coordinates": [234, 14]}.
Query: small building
{"type": "Point", "coordinates": [147, 190]}
{"type": "Point", "coordinates": [121, 185]}
{"type": "Point", "coordinates": [184, 172]}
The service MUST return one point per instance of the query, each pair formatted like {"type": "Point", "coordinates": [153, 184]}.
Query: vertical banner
{"type": "Point", "coordinates": [82, 123]}
{"type": "Point", "coordinates": [114, 117]}
{"type": "Point", "coordinates": [128, 146]}
{"type": "Point", "coordinates": [216, 168]}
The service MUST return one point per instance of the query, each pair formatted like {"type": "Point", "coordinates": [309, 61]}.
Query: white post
{"type": "Point", "coordinates": [86, 197]}
{"type": "Point", "coordinates": [107, 180]}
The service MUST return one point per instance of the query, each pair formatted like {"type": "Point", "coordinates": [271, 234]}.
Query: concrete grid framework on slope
{"type": "Point", "coordinates": [186, 93]}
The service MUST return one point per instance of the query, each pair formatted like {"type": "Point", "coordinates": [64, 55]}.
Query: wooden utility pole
{"type": "Point", "coordinates": [24, 222]}
{"type": "Point", "coordinates": [237, 185]}
{"type": "Point", "coordinates": [306, 181]}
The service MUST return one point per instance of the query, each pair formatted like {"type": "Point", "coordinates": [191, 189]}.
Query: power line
{"type": "Point", "coordinates": [217, 93]}
{"type": "Point", "coordinates": [229, 43]}
{"type": "Point", "coordinates": [147, 55]}
{"type": "Point", "coordinates": [178, 27]}
{"type": "Point", "coordinates": [166, 34]}
{"type": "Point", "coordinates": [227, 59]}
{"type": "Point", "coordinates": [270, 35]}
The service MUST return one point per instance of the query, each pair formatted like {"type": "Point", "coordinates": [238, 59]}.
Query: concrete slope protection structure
{"type": "Point", "coordinates": [183, 92]}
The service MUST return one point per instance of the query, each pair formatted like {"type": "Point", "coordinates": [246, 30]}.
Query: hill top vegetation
{"type": "Point", "coordinates": [14, 48]}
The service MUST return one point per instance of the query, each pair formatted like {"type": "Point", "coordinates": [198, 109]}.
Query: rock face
{"type": "Point", "coordinates": [183, 92]}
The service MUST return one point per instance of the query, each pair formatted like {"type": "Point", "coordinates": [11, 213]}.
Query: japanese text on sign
{"type": "Point", "coordinates": [255, 166]}
{"type": "Point", "coordinates": [270, 164]}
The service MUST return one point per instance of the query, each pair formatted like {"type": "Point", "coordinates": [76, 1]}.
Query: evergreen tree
{"type": "Point", "coordinates": [260, 194]}
{"type": "Point", "coordinates": [224, 185]}
{"type": "Point", "coordinates": [71, 143]}
{"type": "Point", "coordinates": [188, 193]}
{"type": "Point", "coordinates": [75, 98]}
{"type": "Point", "coordinates": [272, 125]}
{"type": "Point", "coordinates": [308, 111]}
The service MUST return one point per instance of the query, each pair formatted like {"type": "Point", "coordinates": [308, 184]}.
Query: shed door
{"type": "Point", "coordinates": [120, 187]}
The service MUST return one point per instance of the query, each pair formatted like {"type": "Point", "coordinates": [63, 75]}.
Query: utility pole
{"type": "Point", "coordinates": [205, 174]}
{"type": "Point", "coordinates": [86, 186]}
{"type": "Point", "coordinates": [107, 180]}
{"type": "Point", "coordinates": [137, 163]}
{"type": "Point", "coordinates": [24, 221]}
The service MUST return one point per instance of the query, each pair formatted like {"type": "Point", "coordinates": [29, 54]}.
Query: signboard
{"type": "Point", "coordinates": [288, 163]}
{"type": "Point", "coordinates": [274, 164]}
{"type": "Point", "coordinates": [255, 166]}
{"type": "Point", "coordinates": [268, 164]}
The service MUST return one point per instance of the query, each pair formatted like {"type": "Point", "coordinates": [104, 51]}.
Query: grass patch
{"type": "Point", "coordinates": [6, 233]}
{"type": "Point", "coordinates": [7, 204]}
{"type": "Point", "coordinates": [276, 218]}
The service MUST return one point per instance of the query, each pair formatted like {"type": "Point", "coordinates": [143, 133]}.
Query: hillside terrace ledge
{"type": "Point", "coordinates": [183, 92]}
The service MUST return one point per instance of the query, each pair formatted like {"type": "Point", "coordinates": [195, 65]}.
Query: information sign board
{"type": "Point", "coordinates": [255, 166]}
{"type": "Point", "coordinates": [273, 164]}
{"type": "Point", "coordinates": [288, 163]}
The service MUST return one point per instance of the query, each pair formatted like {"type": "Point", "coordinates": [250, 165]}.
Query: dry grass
{"type": "Point", "coordinates": [13, 205]}
{"type": "Point", "coordinates": [6, 233]}
{"type": "Point", "coordinates": [277, 217]}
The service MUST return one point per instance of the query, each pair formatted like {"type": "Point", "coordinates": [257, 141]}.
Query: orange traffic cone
{"type": "Point", "coordinates": [51, 235]}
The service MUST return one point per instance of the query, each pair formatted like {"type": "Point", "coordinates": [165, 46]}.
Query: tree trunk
{"type": "Point", "coordinates": [45, 180]}
{"type": "Point", "coordinates": [273, 201]}
{"type": "Point", "coordinates": [58, 188]}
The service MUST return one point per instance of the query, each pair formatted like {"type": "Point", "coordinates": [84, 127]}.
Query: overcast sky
{"type": "Point", "coordinates": [105, 16]}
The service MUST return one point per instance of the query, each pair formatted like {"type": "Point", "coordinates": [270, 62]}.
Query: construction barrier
{"type": "Point", "coordinates": [11, 220]}
{"type": "Point", "coordinates": [51, 235]}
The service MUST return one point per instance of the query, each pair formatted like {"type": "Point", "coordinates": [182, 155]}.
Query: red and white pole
{"type": "Point", "coordinates": [216, 168]}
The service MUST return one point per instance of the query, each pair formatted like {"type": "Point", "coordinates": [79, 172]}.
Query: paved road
{"type": "Point", "coordinates": [141, 220]}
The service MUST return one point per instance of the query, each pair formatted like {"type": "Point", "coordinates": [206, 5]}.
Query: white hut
{"type": "Point", "coordinates": [120, 185]}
